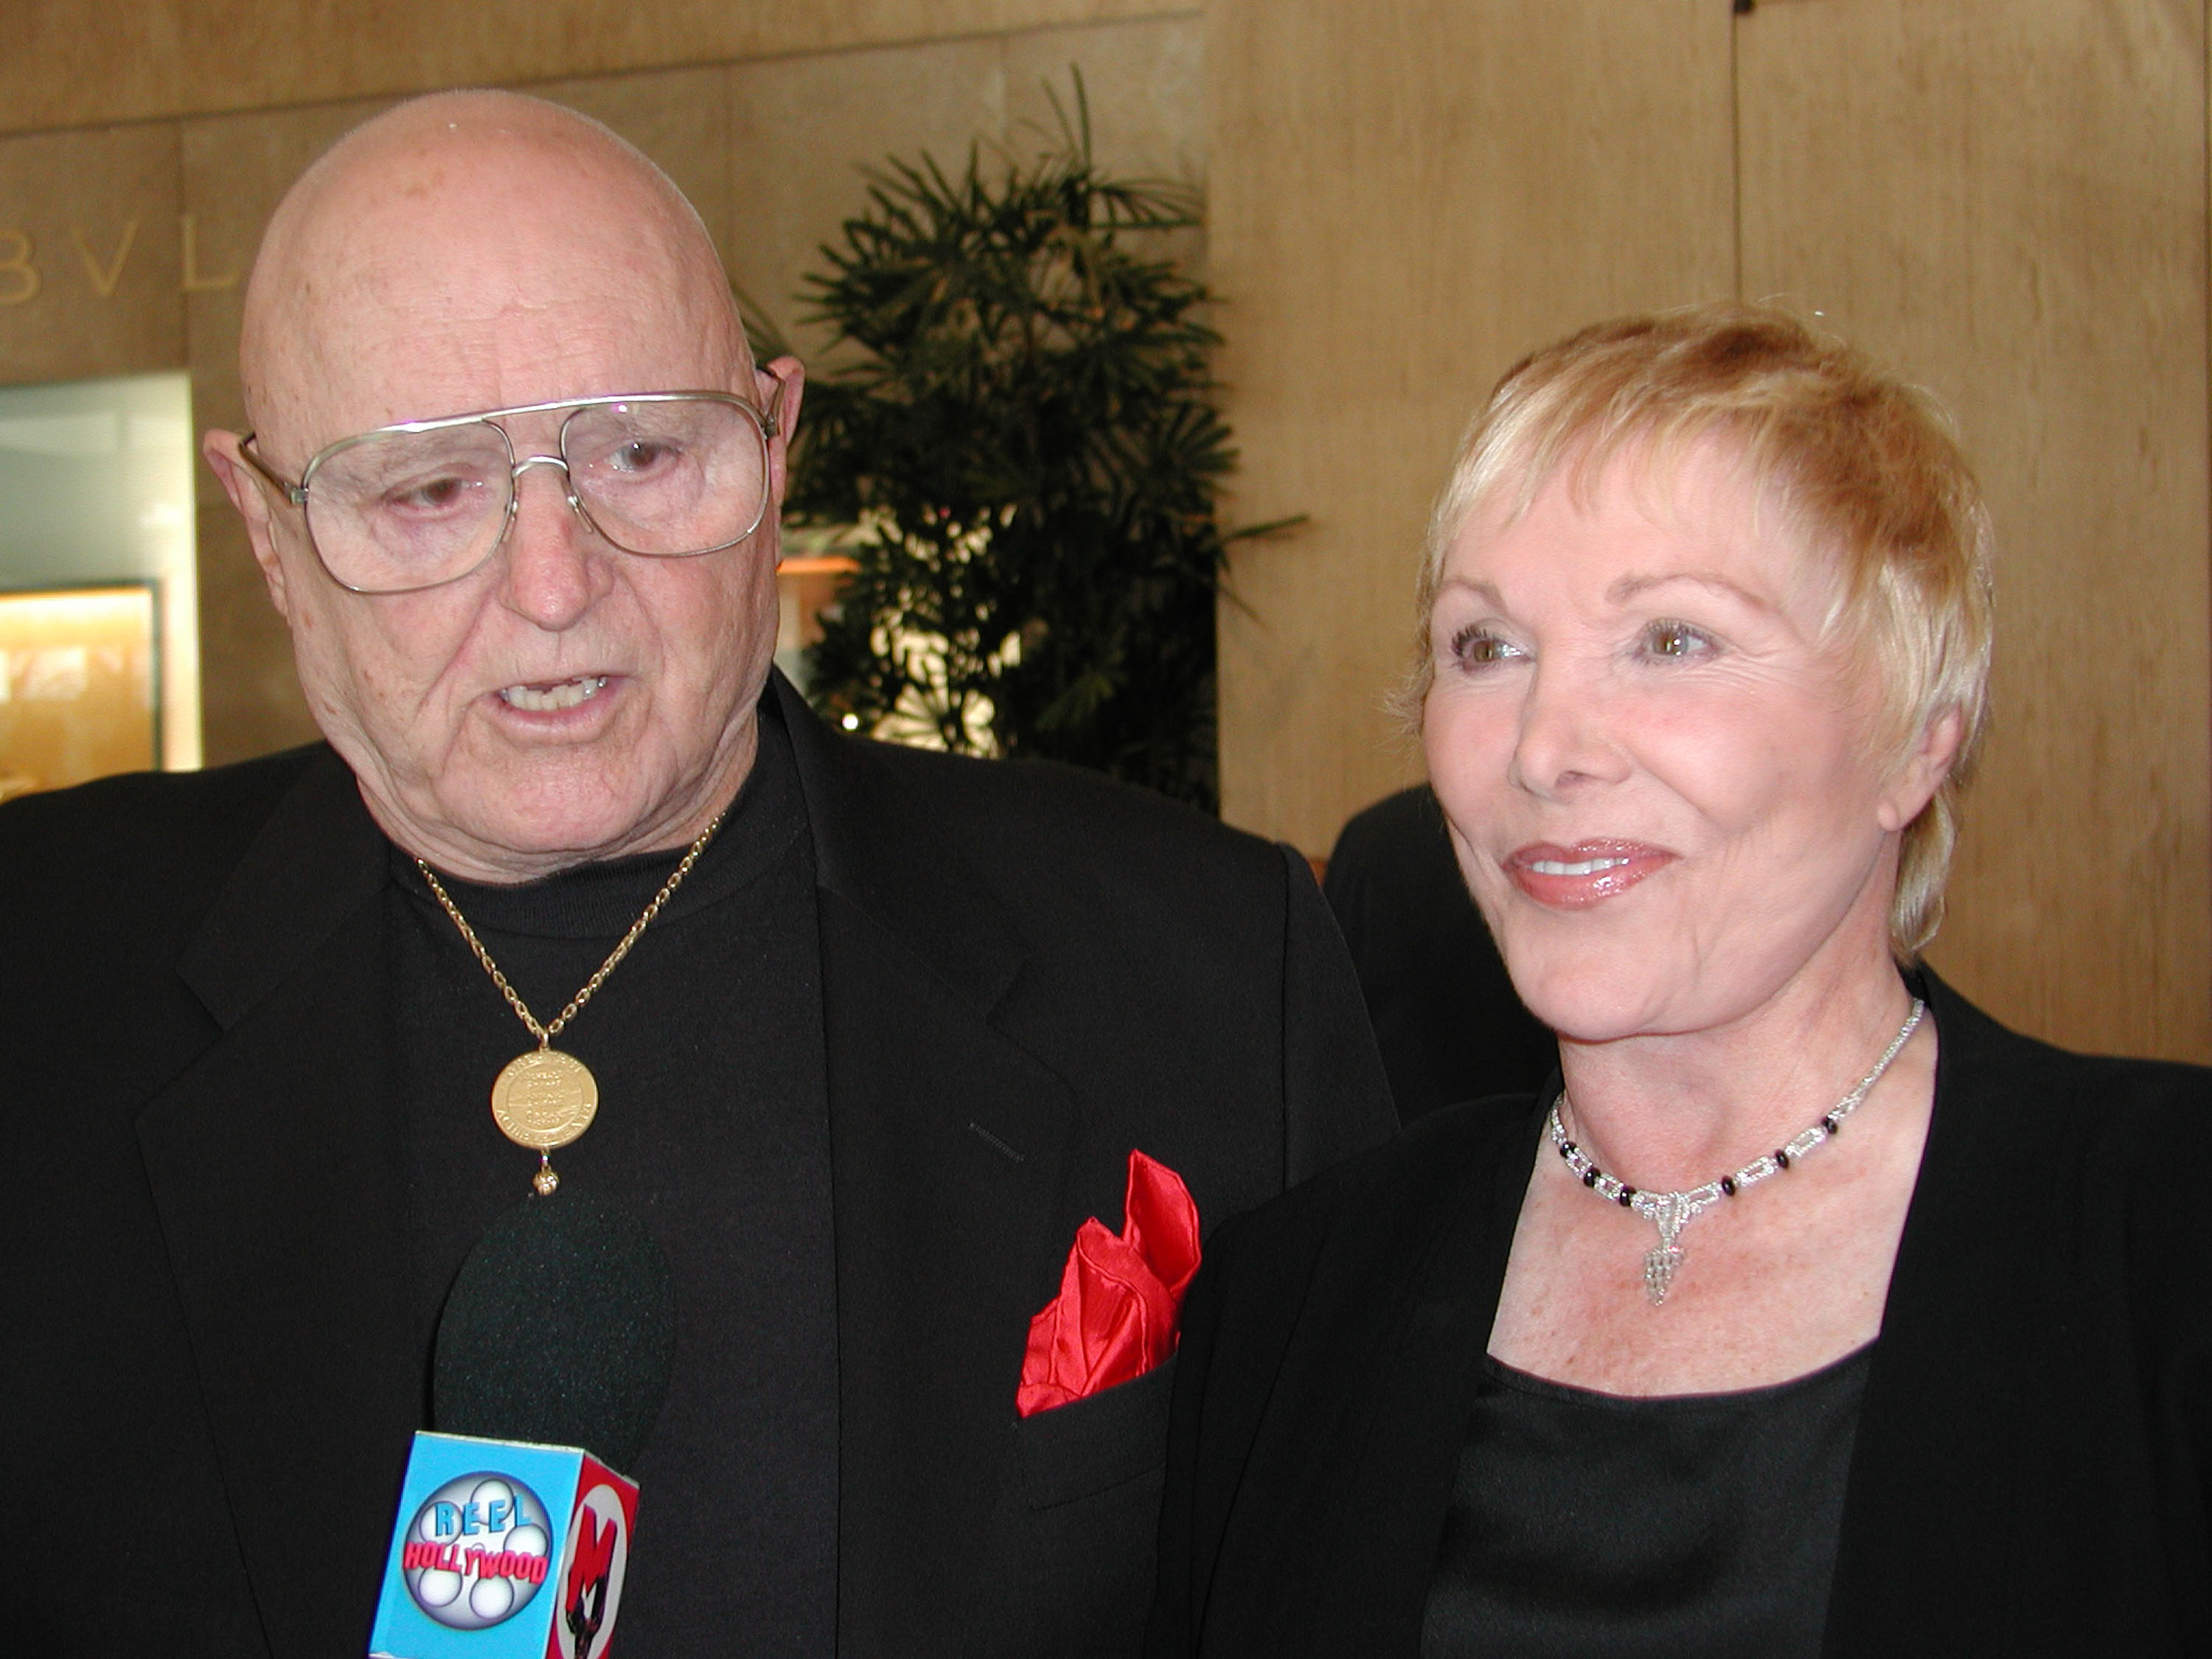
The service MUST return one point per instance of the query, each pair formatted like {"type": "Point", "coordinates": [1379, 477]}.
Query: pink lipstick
{"type": "Point", "coordinates": [1589, 872]}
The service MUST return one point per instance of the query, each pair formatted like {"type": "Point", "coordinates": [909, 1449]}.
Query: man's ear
{"type": "Point", "coordinates": [779, 386]}
{"type": "Point", "coordinates": [1914, 783]}
{"type": "Point", "coordinates": [243, 485]}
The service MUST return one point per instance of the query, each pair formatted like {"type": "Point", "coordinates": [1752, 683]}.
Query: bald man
{"type": "Point", "coordinates": [888, 1027]}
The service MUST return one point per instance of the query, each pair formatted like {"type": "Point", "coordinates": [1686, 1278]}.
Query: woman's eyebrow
{"type": "Point", "coordinates": [1481, 590]}
{"type": "Point", "coordinates": [1629, 588]}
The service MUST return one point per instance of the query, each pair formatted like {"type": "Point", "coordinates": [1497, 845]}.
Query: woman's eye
{"type": "Point", "coordinates": [1676, 640]}
{"type": "Point", "coordinates": [1477, 647]}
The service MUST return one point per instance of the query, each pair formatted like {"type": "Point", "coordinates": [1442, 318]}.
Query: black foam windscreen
{"type": "Point", "coordinates": [559, 1329]}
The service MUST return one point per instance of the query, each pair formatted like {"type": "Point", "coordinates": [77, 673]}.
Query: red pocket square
{"type": "Point", "coordinates": [1115, 1317]}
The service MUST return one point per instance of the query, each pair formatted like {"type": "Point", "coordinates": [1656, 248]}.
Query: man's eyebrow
{"type": "Point", "coordinates": [1629, 588]}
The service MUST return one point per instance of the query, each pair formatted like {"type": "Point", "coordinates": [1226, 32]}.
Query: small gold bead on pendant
{"type": "Point", "coordinates": [546, 1181]}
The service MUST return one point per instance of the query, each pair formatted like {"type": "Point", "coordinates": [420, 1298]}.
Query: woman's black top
{"type": "Point", "coordinates": [1592, 1525]}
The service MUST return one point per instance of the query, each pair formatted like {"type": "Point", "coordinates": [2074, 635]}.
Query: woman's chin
{"type": "Point", "coordinates": [1588, 1032]}
{"type": "Point", "coordinates": [1595, 1005]}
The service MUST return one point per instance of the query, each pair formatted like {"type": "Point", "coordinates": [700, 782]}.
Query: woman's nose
{"type": "Point", "coordinates": [1565, 741]}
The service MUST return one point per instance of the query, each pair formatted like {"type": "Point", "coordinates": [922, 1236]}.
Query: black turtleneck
{"type": "Point", "coordinates": [712, 1125]}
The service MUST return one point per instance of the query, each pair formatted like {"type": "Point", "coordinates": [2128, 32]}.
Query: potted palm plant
{"type": "Point", "coordinates": [1020, 454]}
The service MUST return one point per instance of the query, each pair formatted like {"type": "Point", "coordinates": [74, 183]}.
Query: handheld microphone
{"type": "Point", "coordinates": [513, 1540]}
{"type": "Point", "coordinates": [560, 1329]}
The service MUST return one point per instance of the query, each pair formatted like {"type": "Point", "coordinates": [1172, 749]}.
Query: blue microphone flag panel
{"type": "Point", "coordinates": [503, 1550]}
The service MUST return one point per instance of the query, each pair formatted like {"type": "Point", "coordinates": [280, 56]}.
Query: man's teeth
{"type": "Point", "coordinates": [566, 695]}
{"type": "Point", "coordinates": [1581, 867]}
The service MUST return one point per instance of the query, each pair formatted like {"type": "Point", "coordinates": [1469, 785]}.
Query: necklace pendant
{"type": "Point", "coordinates": [1659, 1269]}
{"type": "Point", "coordinates": [547, 1181]}
{"type": "Point", "coordinates": [1667, 1213]}
{"type": "Point", "coordinates": [543, 1100]}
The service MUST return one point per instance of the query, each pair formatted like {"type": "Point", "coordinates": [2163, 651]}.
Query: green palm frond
{"type": "Point", "coordinates": [1023, 424]}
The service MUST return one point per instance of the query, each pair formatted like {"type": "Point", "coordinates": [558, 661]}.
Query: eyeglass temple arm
{"type": "Point", "coordinates": [296, 494]}
{"type": "Point", "coordinates": [771, 418]}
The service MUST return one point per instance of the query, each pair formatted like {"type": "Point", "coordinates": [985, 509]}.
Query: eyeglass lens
{"type": "Point", "coordinates": [400, 510]}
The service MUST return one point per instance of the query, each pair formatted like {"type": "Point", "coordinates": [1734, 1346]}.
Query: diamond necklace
{"type": "Point", "coordinates": [1671, 1212]}
{"type": "Point", "coordinates": [545, 1099]}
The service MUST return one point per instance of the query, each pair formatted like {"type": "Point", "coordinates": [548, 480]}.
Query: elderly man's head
{"type": "Point", "coordinates": [559, 698]}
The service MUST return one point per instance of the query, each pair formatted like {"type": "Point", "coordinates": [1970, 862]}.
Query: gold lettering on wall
{"type": "Point", "coordinates": [193, 282]}
{"type": "Point", "coordinates": [19, 277]}
{"type": "Point", "coordinates": [22, 280]}
{"type": "Point", "coordinates": [104, 278]}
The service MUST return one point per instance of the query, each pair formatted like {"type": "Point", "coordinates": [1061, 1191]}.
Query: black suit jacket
{"type": "Point", "coordinates": [204, 1409]}
{"type": "Point", "coordinates": [1449, 1024]}
{"type": "Point", "coordinates": [2030, 1470]}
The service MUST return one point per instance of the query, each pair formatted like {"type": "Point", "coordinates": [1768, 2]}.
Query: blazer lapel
{"type": "Point", "coordinates": [1400, 1487]}
{"type": "Point", "coordinates": [948, 1144]}
{"type": "Point", "coordinates": [1921, 1565]}
{"type": "Point", "coordinates": [273, 1167]}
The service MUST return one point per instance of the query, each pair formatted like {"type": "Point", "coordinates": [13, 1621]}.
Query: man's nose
{"type": "Point", "coordinates": [1566, 739]}
{"type": "Point", "coordinates": [556, 565]}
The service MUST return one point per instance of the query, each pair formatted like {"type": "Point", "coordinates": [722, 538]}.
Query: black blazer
{"type": "Point", "coordinates": [2030, 1470]}
{"type": "Point", "coordinates": [1449, 1024]}
{"type": "Point", "coordinates": [204, 1410]}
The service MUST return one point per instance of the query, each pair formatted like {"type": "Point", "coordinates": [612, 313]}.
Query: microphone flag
{"type": "Point", "coordinates": [504, 1550]}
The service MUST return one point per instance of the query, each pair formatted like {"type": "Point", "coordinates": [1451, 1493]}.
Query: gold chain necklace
{"type": "Point", "coordinates": [545, 1099]}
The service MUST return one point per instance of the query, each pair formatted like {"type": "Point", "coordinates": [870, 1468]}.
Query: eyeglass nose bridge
{"type": "Point", "coordinates": [515, 469]}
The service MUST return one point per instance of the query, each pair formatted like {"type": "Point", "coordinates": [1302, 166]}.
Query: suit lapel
{"type": "Point", "coordinates": [1378, 1570]}
{"type": "Point", "coordinates": [1921, 1565]}
{"type": "Point", "coordinates": [876, 847]}
{"type": "Point", "coordinates": [273, 1167]}
{"type": "Point", "coordinates": [950, 1142]}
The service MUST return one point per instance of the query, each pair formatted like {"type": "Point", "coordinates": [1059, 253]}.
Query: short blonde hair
{"type": "Point", "coordinates": [1867, 468]}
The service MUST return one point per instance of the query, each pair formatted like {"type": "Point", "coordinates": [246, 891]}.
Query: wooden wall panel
{"type": "Point", "coordinates": [235, 169]}
{"type": "Point", "coordinates": [801, 130]}
{"type": "Point", "coordinates": [89, 280]}
{"type": "Point", "coordinates": [66, 64]}
{"type": "Point", "coordinates": [1405, 199]}
{"type": "Point", "coordinates": [2006, 199]}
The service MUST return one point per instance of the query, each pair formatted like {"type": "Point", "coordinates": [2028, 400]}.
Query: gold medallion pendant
{"type": "Point", "coordinates": [545, 1099]}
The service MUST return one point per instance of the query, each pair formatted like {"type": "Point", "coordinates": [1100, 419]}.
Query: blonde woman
{"type": "Point", "coordinates": [1807, 1310]}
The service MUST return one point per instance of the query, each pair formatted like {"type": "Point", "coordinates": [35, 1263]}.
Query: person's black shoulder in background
{"type": "Point", "coordinates": [1445, 1013]}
